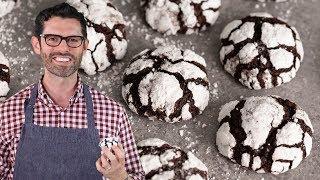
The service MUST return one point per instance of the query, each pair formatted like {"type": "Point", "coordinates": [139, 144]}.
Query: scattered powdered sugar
{"type": "Point", "coordinates": [104, 83]}
{"type": "Point", "coordinates": [7, 33]}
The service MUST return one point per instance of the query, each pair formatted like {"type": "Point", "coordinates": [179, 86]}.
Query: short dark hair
{"type": "Point", "coordinates": [63, 10]}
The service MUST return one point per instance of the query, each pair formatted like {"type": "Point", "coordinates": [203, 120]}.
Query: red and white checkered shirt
{"type": "Point", "coordinates": [110, 120]}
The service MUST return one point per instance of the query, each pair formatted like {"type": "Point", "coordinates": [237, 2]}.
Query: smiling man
{"type": "Point", "coordinates": [51, 130]}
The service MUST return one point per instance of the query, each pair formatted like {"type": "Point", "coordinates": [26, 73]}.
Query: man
{"type": "Point", "coordinates": [51, 130]}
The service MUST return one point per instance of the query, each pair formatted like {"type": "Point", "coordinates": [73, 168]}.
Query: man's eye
{"type": "Point", "coordinates": [52, 39]}
{"type": "Point", "coordinates": [74, 39]}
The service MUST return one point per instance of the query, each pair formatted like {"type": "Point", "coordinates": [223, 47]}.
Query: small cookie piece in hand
{"type": "Point", "coordinates": [261, 51]}
{"type": "Point", "coordinates": [4, 77]}
{"type": "Point", "coordinates": [163, 161]}
{"type": "Point", "coordinates": [108, 142]}
{"type": "Point", "coordinates": [265, 134]}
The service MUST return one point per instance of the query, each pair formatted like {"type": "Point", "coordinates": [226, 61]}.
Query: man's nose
{"type": "Point", "coordinates": [63, 45]}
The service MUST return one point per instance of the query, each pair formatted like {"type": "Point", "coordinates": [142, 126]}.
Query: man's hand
{"type": "Point", "coordinates": [112, 165]}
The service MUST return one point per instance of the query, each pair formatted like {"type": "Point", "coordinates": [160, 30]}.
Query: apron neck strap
{"type": "Point", "coordinates": [29, 105]}
{"type": "Point", "coordinates": [89, 106]}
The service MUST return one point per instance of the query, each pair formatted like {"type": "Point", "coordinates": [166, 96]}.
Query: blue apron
{"type": "Point", "coordinates": [49, 153]}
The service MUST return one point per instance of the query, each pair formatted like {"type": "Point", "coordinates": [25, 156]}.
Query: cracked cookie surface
{"type": "Point", "coordinates": [181, 16]}
{"type": "Point", "coordinates": [167, 84]}
{"type": "Point", "coordinates": [261, 51]}
{"type": "Point", "coordinates": [163, 161]}
{"type": "Point", "coordinates": [265, 134]}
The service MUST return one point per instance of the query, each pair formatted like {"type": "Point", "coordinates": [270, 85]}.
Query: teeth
{"type": "Point", "coordinates": [62, 59]}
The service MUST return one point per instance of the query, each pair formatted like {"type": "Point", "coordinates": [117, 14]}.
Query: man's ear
{"type": "Point", "coordinates": [35, 41]}
{"type": "Point", "coordinates": [86, 44]}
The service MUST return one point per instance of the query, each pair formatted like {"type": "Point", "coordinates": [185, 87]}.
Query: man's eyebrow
{"type": "Point", "coordinates": [63, 35]}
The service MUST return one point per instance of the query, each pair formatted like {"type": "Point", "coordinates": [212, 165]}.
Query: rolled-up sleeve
{"type": "Point", "coordinates": [132, 159]}
{"type": "Point", "coordinates": [5, 166]}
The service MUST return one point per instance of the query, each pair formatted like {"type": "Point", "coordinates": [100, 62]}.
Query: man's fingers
{"type": "Point", "coordinates": [119, 153]}
{"type": "Point", "coordinates": [121, 147]}
{"type": "Point", "coordinates": [109, 155]}
{"type": "Point", "coordinates": [105, 162]}
{"type": "Point", "coordinates": [99, 166]}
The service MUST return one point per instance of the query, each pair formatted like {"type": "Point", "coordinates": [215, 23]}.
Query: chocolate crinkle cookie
{"type": "Point", "coordinates": [166, 84]}
{"type": "Point", "coordinates": [163, 161]}
{"type": "Point", "coordinates": [261, 51]}
{"type": "Point", "coordinates": [266, 134]}
{"type": "Point", "coordinates": [4, 77]}
{"type": "Point", "coordinates": [6, 6]}
{"type": "Point", "coordinates": [181, 16]}
{"type": "Point", "coordinates": [106, 34]}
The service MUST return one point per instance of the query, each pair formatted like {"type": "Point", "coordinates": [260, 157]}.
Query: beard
{"type": "Point", "coordinates": [60, 70]}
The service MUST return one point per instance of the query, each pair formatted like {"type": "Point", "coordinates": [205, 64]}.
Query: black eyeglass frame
{"type": "Point", "coordinates": [67, 38]}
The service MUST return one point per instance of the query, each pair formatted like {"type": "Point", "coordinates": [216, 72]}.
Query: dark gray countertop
{"type": "Point", "coordinates": [199, 133]}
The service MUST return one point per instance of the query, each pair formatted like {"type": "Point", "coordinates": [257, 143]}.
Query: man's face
{"type": "Point", "coordinates": [61, 60]}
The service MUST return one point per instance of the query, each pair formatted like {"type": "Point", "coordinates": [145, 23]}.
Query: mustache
{"type": "Point", "coordinates": [51, 55]}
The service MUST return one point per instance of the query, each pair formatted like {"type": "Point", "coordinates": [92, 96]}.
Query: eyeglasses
{"type": "Point", "coordinates": [54, 40]}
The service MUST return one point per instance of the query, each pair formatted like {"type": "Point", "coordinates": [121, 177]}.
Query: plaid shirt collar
{"type": "Point", "coordinates": [46, 99]}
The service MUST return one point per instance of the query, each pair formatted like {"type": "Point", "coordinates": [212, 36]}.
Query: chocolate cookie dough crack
{"type": "Point", "coordinates": [92, 52]}
{"type": "Point", "coordinates": [187, 97]}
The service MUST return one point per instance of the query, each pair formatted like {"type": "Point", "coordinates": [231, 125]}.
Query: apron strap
{"type": "Point", "coordinates": [29, 103]}
{"type": "Point", "coordinates": [89, 106]}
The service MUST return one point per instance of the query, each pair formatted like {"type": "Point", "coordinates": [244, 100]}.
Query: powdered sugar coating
{"type": "Point", "coordinates": [181, 16]}
{"type": "Point", "coordinates": [106, 34]}
{"type": "Point", "coordinates": [6, 6]}
{"type": "Point", "coordinates": [163, 161]}
{"type": "Point", "coordinates": [261, 51]}
{"type": "Point", "coordinates": [4, 77]}
{"type": "Point", "coordinates": [109, 142]}
{"type": "Point", "coordinates": [266, 134]}
{"type": "Point", "coordinates": [167, 84]}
